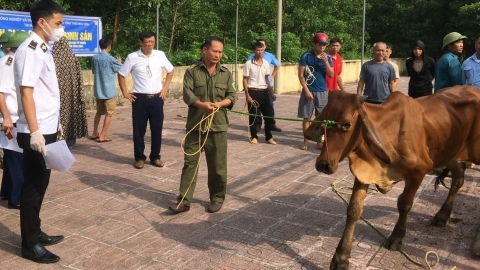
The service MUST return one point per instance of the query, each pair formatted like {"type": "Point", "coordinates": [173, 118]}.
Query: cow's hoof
{"type": "Point", "coordinates": [438, 221]}
{"type": "Point", "coordinates": [394, 243]}
{"type": "Point", "coordinates": [338, 264]}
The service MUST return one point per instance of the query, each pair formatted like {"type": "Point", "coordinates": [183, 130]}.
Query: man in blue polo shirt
{"type": "Point", "coordinates": [471, 73]}
{"type": "Point", "coordinates": [313, 68]}
{"type": "Point", "coordinates": [471, 67]}
{"type": "Point", "coordinates": [271, 60]}
{"type": "Point", "coordinates": [448, 71]}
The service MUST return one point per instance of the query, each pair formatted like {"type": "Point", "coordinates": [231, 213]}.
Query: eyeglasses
{"type": "Point", "coordinates": [149, 72]}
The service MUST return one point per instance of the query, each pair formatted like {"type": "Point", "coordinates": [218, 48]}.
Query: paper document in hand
{"type": "Point", "coordinates": [58, 156]}
{"type": "Point", "coordinates": [10, 144]}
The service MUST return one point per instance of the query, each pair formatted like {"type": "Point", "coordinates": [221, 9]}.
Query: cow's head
{"type": "Point", "coordinates": [345, 124]}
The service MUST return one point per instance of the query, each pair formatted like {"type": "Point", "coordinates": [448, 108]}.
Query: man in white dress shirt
{"type": "Point", "coordinates": [12, 179]}
{"type": "Point", "coordinates": [38, 123]}
{"type": "Point", "coordinates": [147, 97]}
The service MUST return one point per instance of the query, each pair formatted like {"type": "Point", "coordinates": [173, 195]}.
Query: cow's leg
{"type": "Point", "coordinates": [458, 173]}
{"type": "Point", "coordinates": [354, 211]}
{"type": "Point", "coordinates": [404, 204]}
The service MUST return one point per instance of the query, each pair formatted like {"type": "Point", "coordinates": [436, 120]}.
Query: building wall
{"type": "Point", "coordinates": [287, 75]}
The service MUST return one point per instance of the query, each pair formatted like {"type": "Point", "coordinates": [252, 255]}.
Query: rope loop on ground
{"type": "Point", "coordinates": [427, 263]}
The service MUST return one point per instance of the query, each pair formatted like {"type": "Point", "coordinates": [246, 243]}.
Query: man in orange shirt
{"type": "Point", "coordinates": [335, 82]}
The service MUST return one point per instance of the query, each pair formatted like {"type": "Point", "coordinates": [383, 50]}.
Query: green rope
{"type": "Point", "coordinates": [282, 118]}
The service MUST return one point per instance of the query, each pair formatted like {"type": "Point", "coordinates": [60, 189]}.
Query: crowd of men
{"type": "Point", "coordinates": [30, 106]}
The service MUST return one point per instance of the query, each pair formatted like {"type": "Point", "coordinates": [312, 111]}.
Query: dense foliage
{"type": "Point", "coordinates": [184, 24]}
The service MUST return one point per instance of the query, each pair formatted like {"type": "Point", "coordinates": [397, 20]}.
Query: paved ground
{"type": "Point", "coordinates": [280, 212]}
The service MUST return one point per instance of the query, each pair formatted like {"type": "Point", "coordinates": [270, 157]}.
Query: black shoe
{"type": "Point", "coordinates": [277, 129]}
{"type": "Point", "coordinates": [176, 209]}
{"type": "Point", "coordinates": [39, 254]}
{"type": "Point", "coordinates": [47, 240]}
{"type": "Point", "coordinates": [11, 206]}
{"type": "Point", "coordinates": [215, 207]}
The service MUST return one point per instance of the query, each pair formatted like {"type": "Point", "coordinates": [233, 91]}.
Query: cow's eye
{"type": "Point", "coordinates": [345, 126]}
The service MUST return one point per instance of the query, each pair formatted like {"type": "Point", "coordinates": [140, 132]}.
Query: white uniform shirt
{"type": "Point", "coordinates": [34, 67]}
{"type": "Point", "coordinates": [146, 71]}
{"type": "Point", "coordinates": [256, 74]}
{"type": "Point", "coordinates": [7, 86]}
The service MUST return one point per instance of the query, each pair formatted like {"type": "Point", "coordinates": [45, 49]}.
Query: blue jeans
{"type": "Point", "coordinates": [12, 179]}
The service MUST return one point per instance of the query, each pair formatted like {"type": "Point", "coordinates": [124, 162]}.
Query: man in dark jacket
{"type": "Point", "coordinates": [421, 70]}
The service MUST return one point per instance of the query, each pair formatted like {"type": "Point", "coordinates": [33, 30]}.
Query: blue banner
{"type": "Point", "coordinates": [83, 33]}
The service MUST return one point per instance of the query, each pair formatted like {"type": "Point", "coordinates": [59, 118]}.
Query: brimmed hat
{"type": "Point", "coordinates": [452, 37]}
{"type": "Point", "coordinates": [16, 39]}
{"type": "Point", "coordinates": [320, 37]}
{"type": "Point", "coordinates": [4, 36]}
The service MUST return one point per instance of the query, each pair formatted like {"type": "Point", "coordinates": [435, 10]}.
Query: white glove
{"type": "Point", "coordinates": [59, 132]}
{"type": "Point", "coordinates": [37, 142]}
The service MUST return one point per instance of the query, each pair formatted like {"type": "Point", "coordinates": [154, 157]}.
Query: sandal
{"type": "Point", "coordinates": [304, 146]}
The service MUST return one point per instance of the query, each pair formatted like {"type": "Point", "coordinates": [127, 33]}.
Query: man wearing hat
{"type": "Point", "coordinates": [313, 68]}
{"type": "Point", "coordinates": [12, 179]}
{"type": "Point", "coordinates": [3, 39]}
{"type": "Point", "coordinates": [448, 71]}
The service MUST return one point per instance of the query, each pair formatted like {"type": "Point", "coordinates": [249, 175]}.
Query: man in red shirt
{"type": "Point", "coordinates": [335, 82]}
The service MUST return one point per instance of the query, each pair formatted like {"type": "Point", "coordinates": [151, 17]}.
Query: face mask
{"type": "Point", "coordinates": [56, 34]}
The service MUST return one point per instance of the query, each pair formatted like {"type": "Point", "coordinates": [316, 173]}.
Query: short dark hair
{"type": "Point", "coordinates": [335, 40]}
{"type": "Point", "coordinates": [257, 44]}
{"type": "Point", "coordinates": [104, 43]}
{"type": "Point", "coordinates": [44, 9]}
{"type": "Point", "coordinates": [389, 45]}
{"type": "Point", "coordinates": [261, 39]}
{"type": "Point", "coordinates": [146, 34]}
{"type": "Point", "coordinates": [208, 41]}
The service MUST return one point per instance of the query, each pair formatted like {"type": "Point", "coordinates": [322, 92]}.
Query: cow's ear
{"type": "Point", "coordinates": [373, 139]}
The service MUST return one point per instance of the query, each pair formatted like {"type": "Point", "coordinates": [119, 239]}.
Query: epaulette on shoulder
{"type": "Point", "coordinates": [192, 66]}
{"type": "Point", "coordinates": [33, 44]}
{"type": "Point", "coordinates": [44, 47]}
{"type": "Point", "coordinates": [9, 61]}
{"type": "Point", "coordinates": [223, 68]}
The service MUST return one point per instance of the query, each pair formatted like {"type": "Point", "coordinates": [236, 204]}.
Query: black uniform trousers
{"type": "Point", "coordinates": [36, 178]}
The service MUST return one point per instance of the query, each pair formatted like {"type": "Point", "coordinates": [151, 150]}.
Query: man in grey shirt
{"type": "Point", "coordinates": [377, 76]}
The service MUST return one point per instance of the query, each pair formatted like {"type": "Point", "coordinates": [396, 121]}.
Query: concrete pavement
{"type": "Point", "coordinates": [280, 213]}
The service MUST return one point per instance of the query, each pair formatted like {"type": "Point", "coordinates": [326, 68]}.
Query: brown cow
{"type": "Point", "coordinates": [399, 140]}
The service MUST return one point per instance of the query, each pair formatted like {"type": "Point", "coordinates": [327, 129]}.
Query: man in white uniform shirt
{"type": "Point", "coordinates": [147, 97]}
{"type": "Point", "coordinates": [12, 179]}
{"type": "Point", "coordinates": [38, 123]}
{"type": "Point", "coordinates": [258, 92]}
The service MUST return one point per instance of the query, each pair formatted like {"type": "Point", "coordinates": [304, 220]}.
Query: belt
{"type": "Point", "coordinates": [147, 95]}
{"type": "Point", "coordinates": [256, 89]}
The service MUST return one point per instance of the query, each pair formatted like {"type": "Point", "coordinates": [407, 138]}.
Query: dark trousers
{"type": "Point", "coordinates": [265, 107]}
{"type": "Point", "coordinates": [258, 120]}
{"type": "Point", "coordinates": [145, 110]}
{"type": "Point", "coordinates": [12, 179]}
{"type": "Point", "coordinates": [36, 178]}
